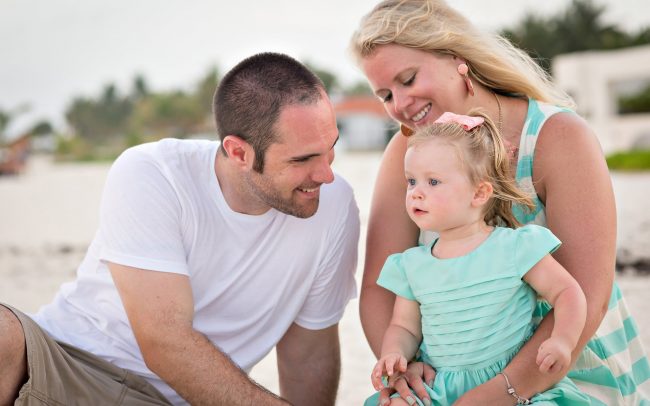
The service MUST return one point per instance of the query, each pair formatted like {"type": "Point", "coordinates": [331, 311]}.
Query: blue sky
{"type": "Point", "coordinates": [53, 50]}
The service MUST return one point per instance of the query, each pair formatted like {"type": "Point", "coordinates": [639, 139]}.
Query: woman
{"type": "Point", "coordinates": [422, 58]}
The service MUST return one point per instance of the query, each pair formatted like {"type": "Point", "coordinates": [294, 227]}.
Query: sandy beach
{"type": "Point", "coordinates": [49, 215]}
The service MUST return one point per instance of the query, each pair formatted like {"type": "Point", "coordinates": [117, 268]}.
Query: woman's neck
{"type": "Point", "coordinates": [461, 240]}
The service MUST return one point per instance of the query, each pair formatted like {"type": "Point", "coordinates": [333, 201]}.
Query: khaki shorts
{"type": "Point", "coordinates": [60, 374]}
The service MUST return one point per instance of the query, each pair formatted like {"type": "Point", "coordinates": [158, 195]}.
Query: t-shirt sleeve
{"type": "Point", "coordinates": [393, 277]}
{"type": "Point", "coordinates": [140, 216]}
{"type": "Point", "coordinates": [532, 244]}
{"type": "Point", "coordinates": [334, 285]}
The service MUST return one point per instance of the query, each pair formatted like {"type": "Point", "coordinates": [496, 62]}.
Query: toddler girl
{"type": "Point", "coordinates": [469, 295]}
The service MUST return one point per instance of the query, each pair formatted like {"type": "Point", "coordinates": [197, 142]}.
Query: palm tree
{"type": "Point", "coordinates": [579, 27]}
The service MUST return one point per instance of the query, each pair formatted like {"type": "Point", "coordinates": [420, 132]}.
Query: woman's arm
{"type": "Point", "coordinates": [571, 178]}
{"type": "Point", "coordinates": [390, 230]}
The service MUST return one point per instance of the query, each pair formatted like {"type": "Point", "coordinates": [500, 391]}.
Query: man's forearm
{"type": "Point", "coordinates": [309, 365]}
{"type": "Point", "coordinates": [314, 381]}
{"type": "Point", "coordinates": [202, 374]}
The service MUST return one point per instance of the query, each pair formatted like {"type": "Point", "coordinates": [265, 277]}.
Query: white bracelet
{"type": "Point", "coordinates": [511, 391]}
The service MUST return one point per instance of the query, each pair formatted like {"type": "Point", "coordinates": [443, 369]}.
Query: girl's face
{"type": "Point", "coordinates": [415, 86]}
{"type": "Point", "coordinates": [439, 196]}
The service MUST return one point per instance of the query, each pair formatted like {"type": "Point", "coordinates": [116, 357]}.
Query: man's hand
{"type": "Point", "coordinates": [554, 355]}
{"type": "Point", "coordinates": [415, 377]}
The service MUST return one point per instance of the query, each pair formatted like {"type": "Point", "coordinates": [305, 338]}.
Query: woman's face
{"type": "Point", "coordinates": [415, 86]}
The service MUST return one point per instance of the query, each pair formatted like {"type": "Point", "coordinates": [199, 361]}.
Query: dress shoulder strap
{"type": "Point", "coordinates": [538, 113]}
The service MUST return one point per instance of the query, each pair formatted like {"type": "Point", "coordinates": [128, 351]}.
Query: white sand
{"type": "Point", "coordinates": [49, 215]}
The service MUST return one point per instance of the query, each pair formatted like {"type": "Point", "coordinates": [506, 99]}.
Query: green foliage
{"type": "Point", "coordinates": [140, 87]}
{"type": "Point", "coordinates": [579, 27]}
{"type": "Point", "coordinates": [635, 160]}
{"type": "Point", "coordinates": [99, 120]}
{"type": "Point", "coordinates": [42, 127]}
{"type": "Point", "coordinates": [636, 103]}
{"type": "Point", "coordinates": [133, 138]}
{"type": "Point", "coordinates": [358, 89]}
{"type": "Point", "coordinates": [205, 90]}
{"type": "Point", "coordinates": [533, 36]}
{"type": "Point", "coordinates": [174, 114]}
{"type": "Point", "coordinates": [5, 117]}
{"type": "Point", "coordinates": [79, 149]}
{"type": "Point", "coordinates": [329, 79]}
{"type": "Point", "coordinates": [105, 125]}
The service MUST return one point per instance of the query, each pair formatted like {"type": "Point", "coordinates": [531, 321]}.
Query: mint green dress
{"type": "Point", "coordinates": [476, 310]}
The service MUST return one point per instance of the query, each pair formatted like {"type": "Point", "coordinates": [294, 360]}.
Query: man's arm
{"type": "Point", "coordinates": [309, 365]}
{"type": "Point", "coordinates": [160, 309]}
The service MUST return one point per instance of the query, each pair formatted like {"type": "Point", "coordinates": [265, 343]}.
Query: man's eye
{"type": "Point", "coordinates": [433, 182]}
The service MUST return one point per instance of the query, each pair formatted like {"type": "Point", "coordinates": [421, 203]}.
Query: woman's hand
{"type": "Point", "coordinates": [416, 375]}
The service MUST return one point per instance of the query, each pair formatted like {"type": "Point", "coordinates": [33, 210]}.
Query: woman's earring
{"type": "Point", "coordinates": [406, 131]}
{"type": "Point", "coordinates": [463, 70]}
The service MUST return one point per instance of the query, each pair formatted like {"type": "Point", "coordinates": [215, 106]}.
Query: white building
{"type": "Point", "coordinates": [363, 123]}
{"type": "Point", "coordinates": [596, 79]}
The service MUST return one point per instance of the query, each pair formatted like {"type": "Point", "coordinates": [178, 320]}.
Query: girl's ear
{"type": "Point", "coordinates": [482, 194]}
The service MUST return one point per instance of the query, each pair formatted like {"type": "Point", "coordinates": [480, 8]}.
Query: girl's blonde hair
{"type": "Point", "coordinates": [433, 26]}
{"type": "Point", "coordinates": [483, 153]}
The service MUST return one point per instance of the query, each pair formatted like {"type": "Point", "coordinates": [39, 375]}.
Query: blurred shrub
{"type": "Point", "coordinates": [635, 160]}
{"type": "Point", "coordinates": [636, 103]}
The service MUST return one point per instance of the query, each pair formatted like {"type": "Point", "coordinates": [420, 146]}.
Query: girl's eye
{"type": "Point", "coordinates": [433, 182]}
{"type": "Point", "coordinates": [410, 81]}
{"type": "Point", "coordinates": [387, 98]}
{"type": "Point", "coordinates": [411, 182]}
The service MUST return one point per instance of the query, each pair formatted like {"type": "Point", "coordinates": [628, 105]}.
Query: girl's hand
{"type": "Point", "coordinates": [554, 355]}
{"type": "Point", "coordinates": [390, 364]}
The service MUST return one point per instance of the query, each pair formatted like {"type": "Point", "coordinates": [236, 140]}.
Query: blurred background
{"type": "Point", "coordinates": [86, 79]}
{"type": "Point", "coordinates": [82, 81]}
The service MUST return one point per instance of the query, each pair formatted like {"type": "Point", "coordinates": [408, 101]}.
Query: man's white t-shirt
{"type": "Point", "coordinates": [251, 276]}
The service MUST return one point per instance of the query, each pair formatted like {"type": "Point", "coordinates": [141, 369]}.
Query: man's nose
{"type": "Point", "coordinates": [323, 173]}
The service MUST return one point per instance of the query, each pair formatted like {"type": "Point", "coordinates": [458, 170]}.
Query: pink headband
{"type": "Point", "coordinates": [467, 122]}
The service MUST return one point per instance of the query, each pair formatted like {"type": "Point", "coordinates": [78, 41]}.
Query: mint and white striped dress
{"type": "Point", "coordinates": [613, 368]}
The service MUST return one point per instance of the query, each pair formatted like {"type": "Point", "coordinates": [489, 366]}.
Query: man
{"type": "Point", "coordinates": [207, 256]}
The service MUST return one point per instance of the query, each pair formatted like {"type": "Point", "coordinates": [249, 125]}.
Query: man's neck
{"type": "Point", "coordinates": [234, 189]}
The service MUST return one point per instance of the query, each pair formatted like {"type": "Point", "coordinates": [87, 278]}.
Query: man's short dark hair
{"type": "Point", "coordinates": [251, 95]}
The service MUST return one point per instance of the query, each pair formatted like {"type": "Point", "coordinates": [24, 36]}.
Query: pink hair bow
{"type": "Point", "coordinates": [467, 122]}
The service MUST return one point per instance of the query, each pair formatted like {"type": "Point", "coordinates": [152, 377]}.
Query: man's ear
{"type": "Point", "coordinates": [482, 193]}
{"type": "Point", "coordinates": [239, 152]}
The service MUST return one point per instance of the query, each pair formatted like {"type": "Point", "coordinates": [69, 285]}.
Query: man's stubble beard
{"type": "Point", "coordinates": [265, 192]}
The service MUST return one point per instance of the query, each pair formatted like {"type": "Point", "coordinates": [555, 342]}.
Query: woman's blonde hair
{"type": "Point", "coordinates": [433, 26]}
{"type": "Point", "coordinates": [482, 152]}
